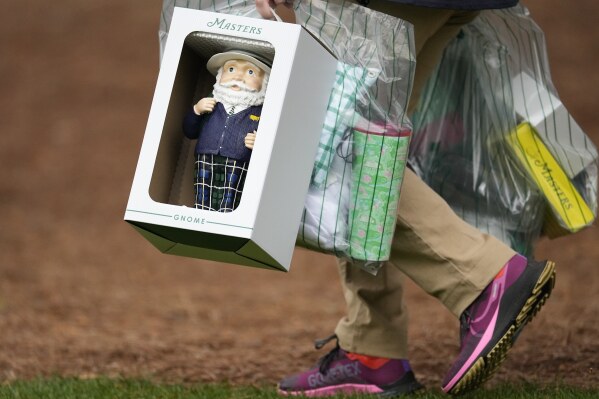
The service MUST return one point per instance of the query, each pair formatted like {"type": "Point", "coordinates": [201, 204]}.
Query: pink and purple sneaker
{"type": "Point", "coordinates": [491, 324]}
{"type": "Point", "coordinates": [341, 372]}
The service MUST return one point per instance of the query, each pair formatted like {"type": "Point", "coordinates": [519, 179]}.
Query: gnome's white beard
{"type": "Point", "coordinates": [241, 99]}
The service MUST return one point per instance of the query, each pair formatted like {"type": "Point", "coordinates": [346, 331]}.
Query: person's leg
{"type": "Point", "coordinates": [448, 258]}
{"type": "Point", "coordinates": [475, 276]}
{"type": "Point", "coordinates": [479, 279]}
{"type": "Point", "coordinates": [375, 304]}
{"type": "Point", "coordinates": [376, 322]}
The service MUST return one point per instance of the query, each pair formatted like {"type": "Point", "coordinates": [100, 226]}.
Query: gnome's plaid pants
{"type": "Point", "coordinates": [218, 182]}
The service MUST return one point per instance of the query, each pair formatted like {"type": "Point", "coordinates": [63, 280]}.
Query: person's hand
{"type": "Point", "coordinates": [205, 105]}
{"type": "Point", "coordinates": [249, 140]}
{"type": "Point", "coordinates": [283, 8]}
{"type": "Point", "coordinates": [264, 6]}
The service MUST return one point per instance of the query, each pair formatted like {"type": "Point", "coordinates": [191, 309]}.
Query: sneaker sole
{"type": "Point", "coordinates": [408, 385]}
{"type": "Point", "coordinates": [484, 367]}
{"type": "Point", "coordinates": [334, 390]}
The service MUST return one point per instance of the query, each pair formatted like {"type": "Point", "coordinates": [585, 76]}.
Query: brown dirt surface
{"type": "Point", "coordinates": [83, 294]}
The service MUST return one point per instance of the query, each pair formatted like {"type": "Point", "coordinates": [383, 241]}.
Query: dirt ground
{"type": "Point", "coordinates": [82, 294]}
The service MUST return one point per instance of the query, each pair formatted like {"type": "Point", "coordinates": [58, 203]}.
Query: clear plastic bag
{"type": "Point", "coordinates": [553, 150]}
{"type": "Point", "coordinates": [351, 207]}
{"type": "Point", "coordinates": [464, 145]}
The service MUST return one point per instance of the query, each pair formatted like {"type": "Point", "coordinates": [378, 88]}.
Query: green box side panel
{"type": "Point", "coordinates": [251, 250]}
{"type": "Point", "coordinates": [218, 256]}
{"type": "Point", "coordinates": [231, 251]}
{"type": "Point", "coordinates": [159, 242]}
{"type": "Point", "coordinates": [194, 238]}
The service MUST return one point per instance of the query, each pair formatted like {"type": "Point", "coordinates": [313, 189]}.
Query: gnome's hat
{"type": "Point", "coordinates": [218, 60]}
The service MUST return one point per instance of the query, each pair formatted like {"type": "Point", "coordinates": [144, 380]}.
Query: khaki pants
{"type": "Point", "coordinates": [447, 257]}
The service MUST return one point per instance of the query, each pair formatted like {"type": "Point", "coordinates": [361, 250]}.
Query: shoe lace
{"type": "Point", "coordinates": [325, 361]}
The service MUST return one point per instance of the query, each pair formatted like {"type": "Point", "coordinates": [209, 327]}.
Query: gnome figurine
{"type": "Point", "coordinates": [225, 128]}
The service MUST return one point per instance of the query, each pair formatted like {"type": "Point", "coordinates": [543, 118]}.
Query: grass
{"type": "Point", "coordinates": [71, 388]}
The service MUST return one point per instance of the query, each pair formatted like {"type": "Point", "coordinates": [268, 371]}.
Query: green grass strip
{"type": "Point", "coordinates": [67, 388]}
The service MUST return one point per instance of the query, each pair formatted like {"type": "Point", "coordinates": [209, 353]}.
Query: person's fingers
{"type": "Point", "coordinates": [263, 8]}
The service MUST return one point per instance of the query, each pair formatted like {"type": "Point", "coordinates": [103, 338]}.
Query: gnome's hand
{"type": "Point", "coordinates": [250, 138]}
{"type": "Point", "coordinates": [205, 105]}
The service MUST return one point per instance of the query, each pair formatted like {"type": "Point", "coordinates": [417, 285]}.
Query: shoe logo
{"type": "Point", "coordinates": [491, 305]}
{"type": "Point", "coordinates": [495, 290]}
{"type": "Point", "coordinates": [337, 373]}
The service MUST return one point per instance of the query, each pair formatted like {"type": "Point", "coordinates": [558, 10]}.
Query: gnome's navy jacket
{"type": "Point", "coordinates": [222, 134]}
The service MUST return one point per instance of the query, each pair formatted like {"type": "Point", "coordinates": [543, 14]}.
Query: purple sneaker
{"type": "Point", "coordinates": [491, 324]}
{"type": "Point", "coordinates": [345, 372]}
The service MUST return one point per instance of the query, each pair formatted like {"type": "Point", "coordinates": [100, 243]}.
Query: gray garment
{"type": "Point", "coordinates": [460, 4]}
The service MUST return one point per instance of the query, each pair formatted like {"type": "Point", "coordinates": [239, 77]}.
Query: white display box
{"type": "Point", "coordinates": [262, 231]}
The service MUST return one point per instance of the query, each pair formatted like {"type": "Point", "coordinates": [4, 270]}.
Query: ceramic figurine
{"type": "Point", "coordinates": [225, 128]}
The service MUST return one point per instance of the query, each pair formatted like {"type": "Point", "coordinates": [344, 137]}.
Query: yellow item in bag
{"type": "Point", "coordinates": [568, 206]}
